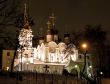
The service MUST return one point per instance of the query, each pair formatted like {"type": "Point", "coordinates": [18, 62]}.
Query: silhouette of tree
{"type": "Point", "coordinates": [97, 39]}
{"type": "Point", "coordinates": [76, 38]}
{"type": "Point", "coordinates": [65, 72]}
{"type": "Point", "coordinates": [9, 9]}
{"type": "Point", "coordinates": [95, 34]}
{"type": "Point", "coordinates": [11, 17]}
{"type": "Point", "coordinates": [19, 21]}
{"type": "Point", "coordinates": [8, 12]}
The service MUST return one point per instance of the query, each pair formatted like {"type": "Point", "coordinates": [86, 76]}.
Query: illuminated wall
{"type": "Point", "coordinates": [7, 57]}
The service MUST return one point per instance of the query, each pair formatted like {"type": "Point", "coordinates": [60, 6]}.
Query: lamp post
{"type": "Point", "coordinates": [84, 47]}
{"type": "Point", "coordinates": [76, 67]}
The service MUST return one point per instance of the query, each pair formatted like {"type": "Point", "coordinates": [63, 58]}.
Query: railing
{"type": "Point", "coordinates": [40, 78]}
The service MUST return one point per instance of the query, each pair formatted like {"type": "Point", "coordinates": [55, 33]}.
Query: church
{"type": "Point", "coordinates": [50, 55]}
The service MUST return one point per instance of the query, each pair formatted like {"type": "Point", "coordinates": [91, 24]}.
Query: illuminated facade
{"type": "Point", "coordinates": [50, 56]}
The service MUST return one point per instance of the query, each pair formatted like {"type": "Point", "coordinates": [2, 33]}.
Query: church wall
{"type": "Point", "coordinates": [41, 68]}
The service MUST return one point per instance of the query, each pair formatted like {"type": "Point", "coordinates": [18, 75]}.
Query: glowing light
{"type": "Point", "coordinates": [7, 68]}
{"type": "Point", "coordinates": [90, 66]}
{"type": "Point", "coordinates": [89, 75]}
{"type": "Point", "coordinates": [84, 45]}
{"type": "Point", "coordinates": [101, 72]}
{"type": "Point", "coordinates": [76, 66]}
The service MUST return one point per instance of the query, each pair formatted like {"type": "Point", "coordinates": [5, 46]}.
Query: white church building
{"type": "Point", "coordinates": [48, 56]}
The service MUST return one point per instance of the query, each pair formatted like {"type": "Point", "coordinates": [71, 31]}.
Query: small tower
{"type": "Point", "coordinates": [49, 35]}
{"type": "Point", "coordinates": [52, 19]}
{"type": "Point", "coordinates": [25, 50]}
{"type": "Point", "coordinates": [25, 36]}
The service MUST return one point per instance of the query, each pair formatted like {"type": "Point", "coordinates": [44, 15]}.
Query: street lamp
{"type": "Point", "coordinates": [84, 47]}
{"type": "Point", "coordinates": [76, 66]}
{"type": "Point", "coordinates": [78, 70]}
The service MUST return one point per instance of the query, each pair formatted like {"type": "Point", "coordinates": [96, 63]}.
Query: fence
{"type": "Point", "coordinates": [40, 78]}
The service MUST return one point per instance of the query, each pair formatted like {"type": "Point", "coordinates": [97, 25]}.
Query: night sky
{"type": "Point", "coordinates": [70, 15]}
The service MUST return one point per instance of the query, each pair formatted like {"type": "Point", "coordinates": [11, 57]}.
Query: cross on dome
{"type": "Point", "coordinates": [53, 19]}
{"type": "Point", "coordinates": [48, 24]}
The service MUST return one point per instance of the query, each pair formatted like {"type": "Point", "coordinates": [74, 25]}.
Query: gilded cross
{"type": "Point", "coordinates": [53, 19]}
{"type": "Point", "coordinates": [48, 24]}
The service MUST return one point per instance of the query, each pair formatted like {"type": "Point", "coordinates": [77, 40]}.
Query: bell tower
{"type": "Point", "coordinates": [25, 50]}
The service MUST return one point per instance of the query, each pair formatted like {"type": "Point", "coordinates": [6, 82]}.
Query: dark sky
{"type": "Point", "coordinates": [70, 14]}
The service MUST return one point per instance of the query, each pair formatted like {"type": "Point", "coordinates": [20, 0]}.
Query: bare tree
{"type": "Point", "coordinates": [97, 38]}
{"type": "Point", "coordinates": [9, 9]}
